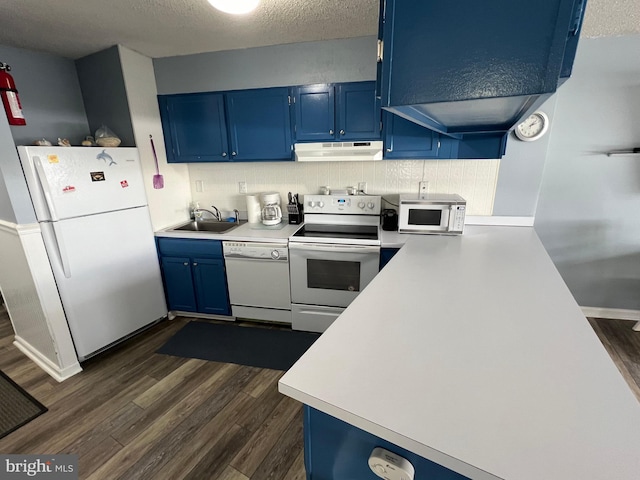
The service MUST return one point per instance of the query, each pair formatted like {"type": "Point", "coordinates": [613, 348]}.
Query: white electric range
{"type": "Point", "coordinates": [332, 257]}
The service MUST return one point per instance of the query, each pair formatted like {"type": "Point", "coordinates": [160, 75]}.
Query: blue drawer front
{"type": "Point", "coordinates": [189, 248]}
{"type": "Point", "coordinates": [334, 450]}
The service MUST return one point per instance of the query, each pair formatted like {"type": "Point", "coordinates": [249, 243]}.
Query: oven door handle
{"type": "Point", "coordinates": [325, 247]}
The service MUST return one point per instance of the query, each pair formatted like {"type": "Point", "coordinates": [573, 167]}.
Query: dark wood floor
{"type": "Point", "coordinates": [135, 414]}
{"type": "Point", "coordinates": [623, 345]}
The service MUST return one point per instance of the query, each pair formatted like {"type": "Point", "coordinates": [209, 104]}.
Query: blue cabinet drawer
{"type": "Point", "coordinates": [190, 247]}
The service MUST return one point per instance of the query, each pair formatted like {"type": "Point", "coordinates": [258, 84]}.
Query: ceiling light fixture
{"type": "Point", "coordinates": [235, 6]}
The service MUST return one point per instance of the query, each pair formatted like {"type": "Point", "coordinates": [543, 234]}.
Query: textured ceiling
{"type": "Point", "coordinates": [162, 28]}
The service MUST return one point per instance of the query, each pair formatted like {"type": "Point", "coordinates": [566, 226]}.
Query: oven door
{"type": "Point", "coordinates": [329, 274]}
{"type": "Point", "coordinates": [430, 217]}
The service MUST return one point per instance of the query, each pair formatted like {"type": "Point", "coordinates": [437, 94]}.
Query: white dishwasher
{"type": "Point", "coordinates": [258, 279]}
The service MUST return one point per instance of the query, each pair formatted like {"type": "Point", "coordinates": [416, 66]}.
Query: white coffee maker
{"type": "Point", "coordinates": [271, 211]}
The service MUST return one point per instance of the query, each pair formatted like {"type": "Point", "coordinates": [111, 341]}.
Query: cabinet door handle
{"type": "Point", "coordinates": [330, 132]}
{"type": "Point", "coordinates": [389, 150]}
{"type": "Point", "coordinates": [224, 154]}
{"type": "Point", "coordinates": [186, 264]}
{"type": "Point", "coordinates": [341, 132]}
{"type": "Point", "coordinates": [233, 154]}
{"type": "Point", "coordinates": [195, 264]}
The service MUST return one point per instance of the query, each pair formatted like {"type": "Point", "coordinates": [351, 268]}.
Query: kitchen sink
{"type": "Point", "coordinates": [207, 226]}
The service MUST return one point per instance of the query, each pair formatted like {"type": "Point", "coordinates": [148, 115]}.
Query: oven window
{"type": "Point", "coordinates": [425, 217]}
{"type": "Point", "coordinates": [333, 275]}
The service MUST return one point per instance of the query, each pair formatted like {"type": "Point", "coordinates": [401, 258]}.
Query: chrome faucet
{"type": "Point", "coordinates": [197, 213]}
{"type": "Point", "coordinates": [218, 215]}
{"type": "Point", "coordinates": [237, 214]}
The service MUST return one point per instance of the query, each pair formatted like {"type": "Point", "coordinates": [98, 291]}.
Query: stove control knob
{"type": "Point", "coordinates": [371, 205]}
{"type": "Point", "coordinates": [360, 204]}
{"type": "Point", "coordinates": [321, 204]}
{"type": "Point", "coordinates": [275, 254]}
{"type": "Point", "coordinates": [312, 204]}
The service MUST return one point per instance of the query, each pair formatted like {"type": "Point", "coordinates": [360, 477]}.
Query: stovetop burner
{"type": "Point", "coordinates": [345, 232]}
{"type": "Point", "coordinates": [340, 219]}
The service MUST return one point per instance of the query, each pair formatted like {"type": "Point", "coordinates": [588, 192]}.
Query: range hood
{"type": "Point", "coordinates": [338, 151]}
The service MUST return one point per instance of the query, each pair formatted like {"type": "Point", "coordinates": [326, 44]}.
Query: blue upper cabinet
{"type": "Point", "coordinates": [407, 140]}
{"type": "Point", "coordinates": [194, 127]}
{"type": "Point", "coordinates": [315, 113]}
{"type": "Point", "coordinates": [255, 125]}
{"type": "Point", "coordinates": [404, 139]}
{"type": "Point", "coordinates": [358, 111]}
{"type": "Point", "coordinates": [259, 124]}
{"type": "Point", "coordinates": [336, 112]}
{"type": "Point", "coordinates": [470, 67]}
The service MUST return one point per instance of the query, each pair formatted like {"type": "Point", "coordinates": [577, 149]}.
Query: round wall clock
{"type": "Point", "coordinates": [533, 127]}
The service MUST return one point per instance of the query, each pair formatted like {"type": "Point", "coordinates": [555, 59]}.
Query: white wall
{"type": "Point", "coordinates": [169, 205]}
{"type": "Point", "coordinates": [587, 216]}
{"type": "Point", "coordinates": [475, 180]}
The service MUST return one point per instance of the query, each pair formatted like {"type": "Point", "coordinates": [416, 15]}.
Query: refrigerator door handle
{"type": "Point", "coordinates": [44, 184]}
{"type": "Point", "coordinates": [58, 241]}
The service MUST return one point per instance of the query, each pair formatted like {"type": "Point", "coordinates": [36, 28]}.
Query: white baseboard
{"type": "Point", "coordinates": [613, 314]}
{"type": "Point", "coordinates": [59, 374]}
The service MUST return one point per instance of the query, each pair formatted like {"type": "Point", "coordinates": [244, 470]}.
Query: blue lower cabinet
{"type": "Point", "coordinates": [179, 283]}
{"type": "Point", "coordinates": [335, 450]}
{"type": "Point", "coordinates": [194, 275]}
{"type": "Point", "coordinates": [210, 280]}
{"type": "Point", "coordinates": [386, 254]}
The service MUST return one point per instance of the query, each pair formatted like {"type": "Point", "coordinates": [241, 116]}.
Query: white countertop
{"type": "Point", "coordinates": [247, 232]}
{"type": "Point", "coordinates": [393, 239]}
{"type": "Point", "coordinates": [470, 351]}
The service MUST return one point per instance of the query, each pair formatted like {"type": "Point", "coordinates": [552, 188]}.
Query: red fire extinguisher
{"type": "Point", "coordinates": [10, 98]}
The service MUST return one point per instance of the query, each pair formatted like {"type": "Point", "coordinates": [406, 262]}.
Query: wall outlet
{"type": "Point", "coordinates": [199, 186]}
{"type": "Point", "coordinates": [423, 188]}
{"type": "Point", "coordinates": [242, 187]}
{"type": "Point", "coordinates": [362, 187]}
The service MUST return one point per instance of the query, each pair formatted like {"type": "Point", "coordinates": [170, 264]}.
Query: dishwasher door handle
{"type": "Point", "coordinates": [233, 256]}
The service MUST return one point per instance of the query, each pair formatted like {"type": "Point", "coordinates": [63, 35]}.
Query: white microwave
{"type": "Point", "coordinates": [434, 213]}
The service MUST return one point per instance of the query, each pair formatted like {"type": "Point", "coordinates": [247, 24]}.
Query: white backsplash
{"type": "Point", "coordinates": [475, 180]}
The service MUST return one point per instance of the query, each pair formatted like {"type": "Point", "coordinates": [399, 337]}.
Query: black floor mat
{"type": "Point", "coordinates": [253, 346]}
{"type": "Point", "coordinates": [17, 407]}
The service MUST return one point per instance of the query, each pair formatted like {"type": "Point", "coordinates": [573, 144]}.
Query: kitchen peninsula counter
{"type": "Point", "coordinates": [470, 351]}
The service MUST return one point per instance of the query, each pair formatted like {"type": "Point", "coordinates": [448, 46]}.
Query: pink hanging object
{"type": "Point", "coordinates": [158, 180]}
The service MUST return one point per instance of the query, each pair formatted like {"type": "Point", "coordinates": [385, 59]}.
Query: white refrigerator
{"type": "Point", "coordinates": [92, 209]}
